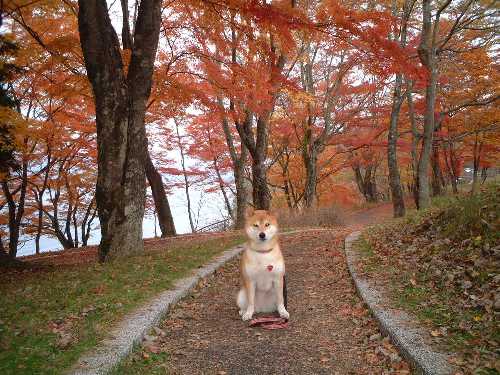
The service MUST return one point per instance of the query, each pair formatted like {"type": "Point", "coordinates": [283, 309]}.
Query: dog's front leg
{"type": "Point", "coordinates": [250, 287]}
{"type": "Point", "coordinates": [280, 301]}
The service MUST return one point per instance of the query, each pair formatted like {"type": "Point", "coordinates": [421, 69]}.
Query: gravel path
{"type": "Point", "coordinates": [330, 330]}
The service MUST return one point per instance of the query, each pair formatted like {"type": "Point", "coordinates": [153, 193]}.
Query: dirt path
{"type": "Point", "coordinates": [330, 331]}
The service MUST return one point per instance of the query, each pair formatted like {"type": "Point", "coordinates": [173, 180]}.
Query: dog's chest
{"type": "Point", "coordinates": [264, 271]}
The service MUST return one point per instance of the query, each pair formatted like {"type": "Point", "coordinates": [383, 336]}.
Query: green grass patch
{"type": "Point", "coordinates": [49, 317]}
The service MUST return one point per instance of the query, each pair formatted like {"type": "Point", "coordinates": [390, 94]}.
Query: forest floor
{"type": "Point", "coordinates": [330, 331]}
{"type": "Point", "coordinates": [443, 266]}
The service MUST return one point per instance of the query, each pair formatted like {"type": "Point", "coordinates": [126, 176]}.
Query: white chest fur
{"type": "Point", "coordinates": [264, 269]}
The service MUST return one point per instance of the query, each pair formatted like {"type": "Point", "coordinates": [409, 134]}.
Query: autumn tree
{"type": "Point", "coordinates": [121, 92]}
{"type": "Point", "coordinates": [444, 27]}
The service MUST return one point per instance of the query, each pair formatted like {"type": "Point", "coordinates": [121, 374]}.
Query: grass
{"type": "Point", "coordinates": [441, 264]}
{"type": "Point", "coordinates": [50, 316]}
{"type": "Point", "coordinates": [153, 364]}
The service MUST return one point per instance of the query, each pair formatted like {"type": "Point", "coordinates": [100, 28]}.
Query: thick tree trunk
{"type": "Point", "coordinates": [162, 206]}
{"type": "Point", "coordinates": [257, 146]}
{"type": "Point", "coordinates": [120, 109]}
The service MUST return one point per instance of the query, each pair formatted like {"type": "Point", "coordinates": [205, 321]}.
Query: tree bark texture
{"type": "Point", "coordinates": [120, 102]}
{"type": "Point", "coordinates": [366, 184]}
{"type": "Point", "coordinates": [392, 159]}
{"type": "Point", "coordinates": [16, 210]}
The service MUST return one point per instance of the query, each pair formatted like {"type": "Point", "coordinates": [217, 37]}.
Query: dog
{"type": "Point", "coordinates": [262, 267]}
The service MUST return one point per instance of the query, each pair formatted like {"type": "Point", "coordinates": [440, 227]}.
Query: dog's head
{"type": "Point", "coordinates": [261, 225]}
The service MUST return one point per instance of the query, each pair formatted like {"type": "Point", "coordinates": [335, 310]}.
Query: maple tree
{"type": "Point", "coordinates": [303, 103]}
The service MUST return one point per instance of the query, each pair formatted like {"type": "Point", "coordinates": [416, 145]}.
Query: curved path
{"type": "Point", "coordinates": [330, 330]}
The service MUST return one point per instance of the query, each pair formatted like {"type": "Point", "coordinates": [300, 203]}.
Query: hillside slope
{"type": "Point", "coordinates": [443, 265]}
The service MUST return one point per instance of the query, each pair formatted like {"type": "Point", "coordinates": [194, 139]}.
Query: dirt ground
{"type": "Point", "coordinates": [330, 331]}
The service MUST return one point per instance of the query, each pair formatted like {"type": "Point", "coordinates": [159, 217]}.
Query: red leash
{"type": "Point", "coordinates": [269, 322]}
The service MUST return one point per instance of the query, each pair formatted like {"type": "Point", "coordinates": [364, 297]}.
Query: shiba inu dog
{"type": "Point", "coordinates": [262, 268]}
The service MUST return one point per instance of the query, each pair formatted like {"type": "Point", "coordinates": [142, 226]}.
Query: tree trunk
{"type": "Point", "coordinates": [366, 184]}
{"type": "Point", "coordinates": [392, 135]}
{"type": "Point", "coordinates": [39, 194]}
{"type": "Point", "coordinates": [425, 155]}
{"type": "Point", "coordinates": [186, 180]}
{"type": "Point", "coordinates": [16, 210]}
{"type": "Point", "coordinates": [428, 58]}
{"type": "Point", "coordinates": [241, 188]}
{"type": "Point", "coordinates": [476, 156]}
{"type": "Point", "coordinates": [448, 159]}
{"type": "Point", "coordinates": [311, 164]}
{"type": "Point", "coordinates": [220, 180]}
{"type": "Point", "coordinates": [437, 174]}
{"type": "Point", "coordinates": [260, 192]}
{"type": "Point", "coordinates": [88, 218]}
{"type": "Point", "coordinates": [258, 149]}
{"type": "Point", "coordinates": [415, 136]}
{"type": "Point", "coordinates": [392, 161]}
{"type": "Point", "coordinates": [165, 219]}
{"type": "Point", "coordinates": [126, 36]}
{"type": "Point", "coordinates": [120, 102]}
{"type": "Point", "coordinates": [484, 175]}
{"type": "Point", "coordinates": [239, 161]}
{"type": "Point", "coordinates": [370, 184]}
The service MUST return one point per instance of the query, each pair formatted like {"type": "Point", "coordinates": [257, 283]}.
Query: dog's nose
{"type": "Point", "coordinates": [262, 235]}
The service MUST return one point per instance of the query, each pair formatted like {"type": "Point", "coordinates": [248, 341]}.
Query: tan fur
{"type": "Point", "coordinates": [261, 288]}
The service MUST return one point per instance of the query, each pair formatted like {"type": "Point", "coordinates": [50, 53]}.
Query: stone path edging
{"type": "Point", "coordinates": [131, 330]}
{"type": "Point", "coordinates": [134, 326]}
{"type": "Point", "coordinates": [396, 324]}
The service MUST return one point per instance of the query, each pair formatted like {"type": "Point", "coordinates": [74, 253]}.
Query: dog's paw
{"type": "Point", "coordinates": [283, 313]}
{"type": "Point", "coordinates": [241, 312]}
{"type": "Point", "coordinates": [247, 315]}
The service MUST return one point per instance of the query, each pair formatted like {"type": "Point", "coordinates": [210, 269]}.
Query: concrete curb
{"type": "Point", "coordinates": [134, 326]}
{"type": "Point", "coordinates": [396, 324]}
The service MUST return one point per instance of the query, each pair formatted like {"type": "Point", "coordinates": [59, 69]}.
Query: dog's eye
{"type": "Point", "coordinates": [256, 225]}
{"type": "Point", "coordinates": [267, 224]}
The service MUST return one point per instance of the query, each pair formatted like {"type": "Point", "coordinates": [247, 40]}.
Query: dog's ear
{"type": "Point", "coordinates": [249, 211]}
